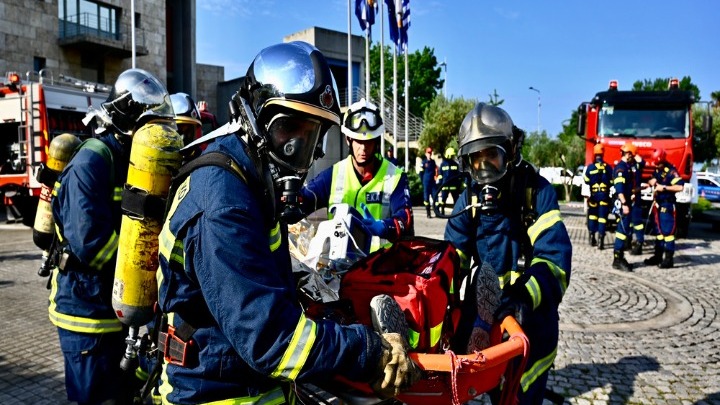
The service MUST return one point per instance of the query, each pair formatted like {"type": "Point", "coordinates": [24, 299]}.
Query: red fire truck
{"type": "Point", "coordinates": [649, 119]}
{"type": "Point", "coordinates": [32, 112]}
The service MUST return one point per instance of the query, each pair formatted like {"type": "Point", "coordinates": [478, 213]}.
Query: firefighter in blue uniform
{"type": "Point", "coordinates": [598, 175]}
{"type": "Point", "coordinates": [667, 182]}
{"type": "Point", "coordinates": [514, 212]}
{"type": "Point", "coordinates": [86, 209]}
{"type": "Point", "coordinates": [428, 174]}
{"type": "Point", "coordinates": [236, 331]}
{"type": "Point", "coordinates": [449, 169]}
{"type": "Point", "coordinates": [637, 213]}
{"type": "Point", "coordinates": [626, 181]}
{"type": "Point", "coordinates": [374, 186]}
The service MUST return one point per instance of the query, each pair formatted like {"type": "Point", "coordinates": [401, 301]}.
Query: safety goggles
{"type": "Point", "coordinates": [293, 140]}
{"type": "Point", "coordinates": [363, 119]}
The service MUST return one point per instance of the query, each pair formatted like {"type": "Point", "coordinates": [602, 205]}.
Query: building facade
{"type": "Point", "coordinates": [92, 41]}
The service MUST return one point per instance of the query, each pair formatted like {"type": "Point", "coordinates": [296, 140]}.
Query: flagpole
{"type": "Point", "coordinates": [407, 106]}
{"type": "Point", "coordinates": [367, 64]}
{"type": "Point", "coordinates": [349, 86]}
{"type": "Point", "coordinates": [395, 102]}
{"type": "Point", "coordinates": [381, 92]}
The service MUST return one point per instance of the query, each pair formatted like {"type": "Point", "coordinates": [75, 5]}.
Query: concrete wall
{"type": "Point", "coordinates": [208, 78]}
{"type": "Point", "coordinates": [30, 29]}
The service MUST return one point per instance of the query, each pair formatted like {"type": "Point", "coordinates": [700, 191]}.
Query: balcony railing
{"type": "Point", "coordinates": [102, 31]}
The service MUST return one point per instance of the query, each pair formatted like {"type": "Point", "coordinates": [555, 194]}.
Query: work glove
{"type": "Point", "coordinates": [376, 227]}
{"type": "Point", "coordinates": [396, 370]}
{"type": "Point", "coordinates": [516, 301]}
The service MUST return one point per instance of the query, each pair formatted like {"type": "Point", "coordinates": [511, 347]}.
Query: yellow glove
{"type": "Point", "coordinates": [396, 370]}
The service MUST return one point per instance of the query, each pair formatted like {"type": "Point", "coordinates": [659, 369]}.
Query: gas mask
{"type": "Point", "coordinates": [295, 141]}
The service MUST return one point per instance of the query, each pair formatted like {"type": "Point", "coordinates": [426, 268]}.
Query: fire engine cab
{"type": "Point", "coordinates": [33, 111]}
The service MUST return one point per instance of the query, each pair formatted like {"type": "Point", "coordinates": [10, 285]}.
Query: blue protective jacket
{"type": "Point", "coordinates": [497, 239]}
{"type": "Point", "coordinates": [225, 270]}
{"type": "Point", "coordinates": [449, 168]}
{"type": "Point", "coordinates": [667, 176]}
{"type": "Point", "coordinates": [598, 176]}
{"type": "Point", "coordinates": [428, 171]}
{"type": "Point", "coordinates": [86, 210]}
{"type": "Point", "coordinates": [628, 179]}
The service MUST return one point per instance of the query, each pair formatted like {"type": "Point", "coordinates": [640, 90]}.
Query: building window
{"type": "Point", "coordinates": [83, 17]}
{"type": "Point", "coordinates": [38, 63]}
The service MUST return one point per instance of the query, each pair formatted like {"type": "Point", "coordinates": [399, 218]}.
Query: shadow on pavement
{"type": "Point", "coordinates": [619, 376]}
{"type": "Point", "coordinates": [27, 385]}
{"type": "Point", "coordinates": [709, 400]}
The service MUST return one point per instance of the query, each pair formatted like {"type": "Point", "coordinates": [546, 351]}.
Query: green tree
{"type": "Point", "coordinates": [707, 144]}
{"type": "Point", "coordinates": [424, 74]}
{"type": "Point", "coordinates": [442, 122]}
{"type": "Point", "coordinates": [494, 99]}
{"type": "Point", "coordinates": [715, 96]}
{"type": "Point", "coordinates": [661, 84]}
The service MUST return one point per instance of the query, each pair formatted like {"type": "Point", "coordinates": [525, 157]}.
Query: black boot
{"type": "Point", "coordinates": [636, 249]}
{"type": "Point", "coordinates": [427, 208]}
{"type": "Point", "coordinates": [593, 241]}
{"type": "Point", "coordinates": [619, 261]}
{"type": "Point", "coordinates": [656, 258]}
{"type": "Point", "coordinates": [601, 246]}
{"type": "Point", "coordinates": [667, 262]}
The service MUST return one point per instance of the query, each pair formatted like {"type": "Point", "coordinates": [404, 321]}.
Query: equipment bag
{"type": "Point", "coordinates": [418, 273]}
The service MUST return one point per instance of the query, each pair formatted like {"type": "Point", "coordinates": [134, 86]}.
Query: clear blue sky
{"type": "Point", "coordinates": [569, 50]}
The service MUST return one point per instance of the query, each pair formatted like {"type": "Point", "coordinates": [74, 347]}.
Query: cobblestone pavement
{"type": "Point", "coordinates": [647, 337]}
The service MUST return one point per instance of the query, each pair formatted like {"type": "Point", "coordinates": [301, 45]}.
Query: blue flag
{"type": "Point", "coordinates": [365, 11]}
{"type": "Point", "coordinates": [392, 16]}
{"type": "Point", "coordinates": [404, 24]}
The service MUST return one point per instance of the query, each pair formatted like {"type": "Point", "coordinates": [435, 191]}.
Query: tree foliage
{"type": "Point", "coordinates": [424, 74]}
{"type": "Point", "coordinates": [495, 99]}
{"type": "Point", "coordinates": [442, 122]}
{"type": "Point", "coordinates": [661, 84]}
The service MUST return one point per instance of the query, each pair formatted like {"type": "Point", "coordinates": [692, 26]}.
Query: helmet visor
{"type": "Point", "coordinates": [488, 164]}
{"type": "Point", "coordinates": [288, 72]}
{"type": "Point", "coordinates": [363, 120]}
{"type": "Point", "coordinates": [293, 140]}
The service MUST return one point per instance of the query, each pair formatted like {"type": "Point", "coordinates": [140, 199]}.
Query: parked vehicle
{"type": "Point", "coordinates": [709, 186]}
{"type": "Point", "coordinates": [32, 112]}
{"type": "Point", "coordinates": [557, 175]}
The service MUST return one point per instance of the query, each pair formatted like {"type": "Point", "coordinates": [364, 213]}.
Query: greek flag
{"type": "Point", "coordinates": [365, 11]}
{"type": "Point", "coordinates": [393, 23]}
{"type": "Point", "coordinates": [404, 24]}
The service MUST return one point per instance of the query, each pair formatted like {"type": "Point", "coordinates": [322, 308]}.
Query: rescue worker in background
{"type": "Point", "coordinates": [625, 182]}
{"type": "Point", "coordinates": [390, 157]}
{"type": "Point", "coordinates": [187, 117]}
{"type": "Point", "coordinates": [449, 169]}
{"type": "Point", "coordinates": [667, 182]}
{"type": "Point", "coordinates": [372, 185]}
{"type": "Point", "coordinates": [515, 213]}
{"type": "Point", "coordinates": [428, 174]}
{"type": "Point", "coordinates": [226, 281]}
{"type": "Point", "coordinates": [87, 214]}
{"type": "Point", "coordinates": [637, 213]}
{"type": "Point", "coordinates": [598, 175]}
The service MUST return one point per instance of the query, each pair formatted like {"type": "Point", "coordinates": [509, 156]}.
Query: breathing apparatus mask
{"type": "Point", "coordinates": [286, 105]}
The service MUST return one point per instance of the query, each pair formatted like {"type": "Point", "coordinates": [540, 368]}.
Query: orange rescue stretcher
{"type": "Point", "coordinates": [452, 379]}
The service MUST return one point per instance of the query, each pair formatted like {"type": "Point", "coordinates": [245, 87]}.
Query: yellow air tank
{"type": "Point", "coordinates": [60, 152]}
{"type": "Point", "coordinates": [154, 158]}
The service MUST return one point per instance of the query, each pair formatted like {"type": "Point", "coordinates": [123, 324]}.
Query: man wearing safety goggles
{"type": "Point", "coordinates": [364, 180]}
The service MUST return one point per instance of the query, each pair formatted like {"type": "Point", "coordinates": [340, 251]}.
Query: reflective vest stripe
{"type": "Point", "coordinates": [298, 350]}
{"type": "Point", "coordinates": [557, 272]}
{"type": "Point", "coordinates": [346, 188]}
{"type": "Point", "coordinates": [117, 194]}
{"type": "Point", "coordinates": [533, 288]}
{"type": "Point", "coordinates": [106, 253]}
{"type": "Point", "coordinates": [537, 369]}
{"type": "Point", "coordinates": [275, 237]}
{"type": "Point", "coordinates": [78, 323]}
{"type": "Point", "coordinates": [543, 223]}
{"type": "Point", "coordinates": [435, 333]}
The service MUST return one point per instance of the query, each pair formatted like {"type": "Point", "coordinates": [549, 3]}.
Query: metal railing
{"type": "Point", "coordinates": [415, 124]}
{"type": "Point", "coordinates": [99, 27]}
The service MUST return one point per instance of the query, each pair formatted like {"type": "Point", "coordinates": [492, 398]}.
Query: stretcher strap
{"type": "Point", "coordinates": [456, 364]}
